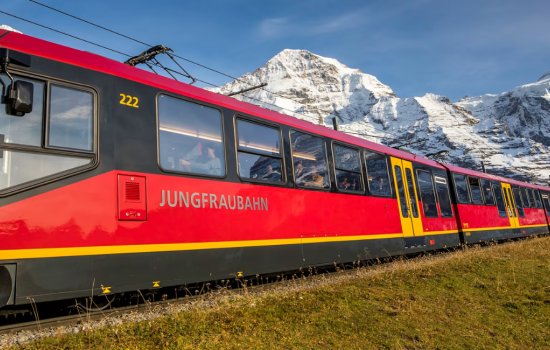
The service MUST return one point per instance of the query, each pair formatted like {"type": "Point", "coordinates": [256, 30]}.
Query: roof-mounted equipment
{"type": "Point", "coordinates": [149, 58]}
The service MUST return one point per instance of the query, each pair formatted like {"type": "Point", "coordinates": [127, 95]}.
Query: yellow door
{"type": "Point", "coordinates": [511, 209]}
{"type": "Point", "coordinates": [407, 198]}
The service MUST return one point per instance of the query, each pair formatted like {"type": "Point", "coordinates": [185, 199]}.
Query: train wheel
{"type": "Point", "coordinates": [5, 286]}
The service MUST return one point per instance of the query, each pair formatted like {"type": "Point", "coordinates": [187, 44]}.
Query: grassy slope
{"type": "Point", "coordinates": [495, 297]}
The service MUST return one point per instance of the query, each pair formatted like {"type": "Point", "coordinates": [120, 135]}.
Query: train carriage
{"type": "Point", "coordinates": [491, 208]}
{"type": "Point", "coordinates": [544, 195]}
{"type": "Point", "coordinates": [115, 179]}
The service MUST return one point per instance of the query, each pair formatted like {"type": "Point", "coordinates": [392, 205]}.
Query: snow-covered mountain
{"type": "Point", "coordinates": [509, 132]}
{"type": "Point", "coordinates": [7, 27]}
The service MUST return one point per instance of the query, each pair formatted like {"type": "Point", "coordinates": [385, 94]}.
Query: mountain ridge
{"type": "Point", "coordinates": [508, 132]}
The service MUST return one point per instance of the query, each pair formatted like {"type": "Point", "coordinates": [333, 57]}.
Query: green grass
{"type": "Point", "coordinates": [495, 297]}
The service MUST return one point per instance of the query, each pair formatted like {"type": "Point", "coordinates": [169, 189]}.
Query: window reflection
{"type": "Point", "coordinates": [70, 127]}
{"type": "Point", "coordinates": [427, 193]}
{"type": "Point", "coordinates": [21, 167]}
{"type": "Point", "coordinates": [26, 130]}
{"type": "Point", "coordinates": [475, 190]}
{"type": "Point", "coordinates": [348, 168]}
{"type": "Point", "coordinates": [497, 189]}
{"type": "Point", "coordinates": [310, 160]}
{"type": "Point", "coordinates": [71, 118]}
{"type": "Point", "coordinates": [461, 188]}
{"type": "Point", "coordinates": [443, 196]}
{"type": "Point", "coordinates": [377, 172]}
{"type": "Point", "coordinates": [190, 137]}
{"type": "Point", "coordinates": [259, 153]}
{"type": "Point", "coordinates": [487, 192]}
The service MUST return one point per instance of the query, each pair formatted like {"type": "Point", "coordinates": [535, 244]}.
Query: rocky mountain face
{"type": "Point", "coordinates": [509, 132]}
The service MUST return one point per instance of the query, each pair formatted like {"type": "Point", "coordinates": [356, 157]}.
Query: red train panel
{"type": "Point", "coordinates": [183, 210]}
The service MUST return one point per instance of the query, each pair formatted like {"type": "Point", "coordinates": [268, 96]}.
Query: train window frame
{"type": "Point", "coordinates": [475, 200]}
{"type": "Point", "coordinates": [248, 150]}
{"type": "Point", "coordinates": [68, 161]}
{"type": "Point", "coordinates": [358, 172]}
{"type": "Point", "coordinates": [221, 134]}
{"type": "Point", "coordinates": [501, 204]}
{"type": "Point", "coordinates": [443, 181]}
{"type": "Point", "coordinates": [326, 179]}
{"type": "Point", "coordinates": [466, 188]}
{"type": "Point", "coordinates": [422, 197]}
{"type": "Point", "coordinates": [388, 168]}
{"type": "Point", "coordinates": [488, 193]}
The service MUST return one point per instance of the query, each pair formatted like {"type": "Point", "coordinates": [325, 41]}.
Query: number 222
{"type": "Point", "coordinates": [130, 101]}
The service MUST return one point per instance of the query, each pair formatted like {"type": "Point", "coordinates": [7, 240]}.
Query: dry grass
{"type": "Point", "coordinates": [495, 297]}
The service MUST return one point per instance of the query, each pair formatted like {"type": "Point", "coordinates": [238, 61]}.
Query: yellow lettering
{"type": "Point", "coordinates": [129, 101]}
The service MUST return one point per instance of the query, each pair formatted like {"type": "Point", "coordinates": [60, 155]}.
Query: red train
{"type": "Point", "coordinates": [114, 179]}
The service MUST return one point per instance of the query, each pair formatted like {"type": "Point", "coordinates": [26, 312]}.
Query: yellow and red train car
{"type": "Point", "coordinates": [115, 179]}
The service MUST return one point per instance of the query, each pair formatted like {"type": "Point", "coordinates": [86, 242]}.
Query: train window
{"type": "Point", "coordinates": [27, 159]}
{"type": "Point", "coordinates": [412, 192]}
{"type": "Point", "coordinates": [190, 137]}
{"type": "Point", "coordinates": [509, 202]}
{"type": "Point", "coordinates": [461, 187]}
{"type": "Point", "coordinates": [537, 199]}
{"type": "Point", "coordinates": [525, 196]}
{"type": "Point", "coordinates": [71, 121]}
{"type": "Point", "coordinates": [519, 202]}
{"type": "Point", "coordinates": [259, 152]}
{"type": "Point", "coordinates": [347, 166]}
{"type": "Point", "coordinates": [497, 189]}
{"type": "Point", "coordinates": [475, 190]}
{"type": "Point", "coordinates": [26, 130]}
{"type": "Point", "coordinates": [401, 187]}
{"type": "Point", "coordinates": [309, 158]}
{"type": "Point", "coordinates": [26, 166]}
{"type": "Point", "coordinates": [532, 197]}
{"type": "Point", "coordinates": [526, 200]}
{"type": "Point", "coordinates": [487, 192]}
{"type": "Point", "coordinates": [546, 202]}
{"type": "Point", "coordinates": [442, 191]}
{"type": "Point", "coordinates": [377, 174]}
{"type": "Point", "coordinates": [427, 193]}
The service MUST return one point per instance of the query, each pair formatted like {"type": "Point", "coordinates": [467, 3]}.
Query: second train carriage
{"type": "Point", "coordinates": [492, 208]}
{"type": "Point", "coordinates": [119, 180]}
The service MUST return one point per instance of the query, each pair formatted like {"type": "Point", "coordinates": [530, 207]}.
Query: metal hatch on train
{"type": "Point", "coordinates": [18, 96]}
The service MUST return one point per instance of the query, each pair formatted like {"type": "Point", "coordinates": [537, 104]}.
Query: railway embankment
{"type": "Point", "coordinates": [495, 297]}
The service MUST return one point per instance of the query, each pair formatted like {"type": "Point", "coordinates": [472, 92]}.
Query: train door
{"type": "Point", "coordinates": [510, 205]}
{"type": "Point", "coordinates": [407, 198]}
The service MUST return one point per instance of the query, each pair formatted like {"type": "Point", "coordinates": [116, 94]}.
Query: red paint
{"type": "Point", "coordinates": [86, 214]}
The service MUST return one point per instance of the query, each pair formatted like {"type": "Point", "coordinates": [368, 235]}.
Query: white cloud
{"type": "Point", "coordinates": [274, 27]}
{"type": "Point", "coordinates": [279, 27]}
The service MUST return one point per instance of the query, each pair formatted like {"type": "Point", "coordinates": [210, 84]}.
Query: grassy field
{"type": "Point", "coordinates": [495, 297]}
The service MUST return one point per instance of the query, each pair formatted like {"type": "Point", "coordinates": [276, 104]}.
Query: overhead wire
{"type": "Point", "coordinates": [196, 63]}
{"type": "Point", "coordinates": [188, 60]}
{"type": "Point", "coordinates": [168, 70]}
{"type": "Point", "coordinates": [64, 33]}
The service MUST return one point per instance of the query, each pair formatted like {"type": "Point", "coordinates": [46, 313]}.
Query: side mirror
{"type": "Point", "coordinates": [20, 98]}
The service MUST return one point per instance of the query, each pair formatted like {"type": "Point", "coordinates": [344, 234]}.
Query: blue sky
{"type": "Point", "coordinates": [452, 48]}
